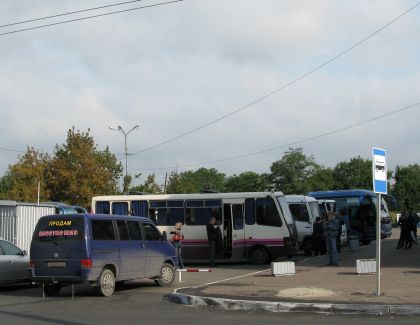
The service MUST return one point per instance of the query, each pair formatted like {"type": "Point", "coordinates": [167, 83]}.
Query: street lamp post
{"type": "Point", "coordinates": [121, 130]}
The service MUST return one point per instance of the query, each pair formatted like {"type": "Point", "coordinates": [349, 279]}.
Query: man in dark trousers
{"type": "Point", "coordinates": [212, 234]}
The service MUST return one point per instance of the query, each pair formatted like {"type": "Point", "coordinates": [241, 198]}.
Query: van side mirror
{"type": "Point", "coordinates": [164, 236]}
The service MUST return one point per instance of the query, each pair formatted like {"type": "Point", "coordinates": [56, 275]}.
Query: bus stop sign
{"type": "Point", "coordinates": [379, 171]}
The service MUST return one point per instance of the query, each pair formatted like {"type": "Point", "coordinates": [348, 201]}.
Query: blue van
{"type": "Point", "coordinates": [102, 250]}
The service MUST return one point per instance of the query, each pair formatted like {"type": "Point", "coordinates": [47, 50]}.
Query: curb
{"type": "Point", "coordinates": [294, 307]}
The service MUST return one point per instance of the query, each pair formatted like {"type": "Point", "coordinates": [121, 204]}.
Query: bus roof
{"type": "Point", "coordinates": [294, 198]}
{"type": "Point", "coordinates": [87, 215]}
{"type": "Point", "coordinates": [341, 193]}
{"type": "Point", "coordinates": [185, 196]}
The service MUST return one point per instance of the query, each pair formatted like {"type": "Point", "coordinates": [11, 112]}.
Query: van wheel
{"type": "Point", "coordinates": [308, 247]}
{"type": "Point", "coordinates": [365, 242]}
{"type": "Point", "coordinates": [167, 275]}
{"type": "Point", "coordinates": [106, 283]}
{"type": "Point", "coordinates": [52, 289]}
{"type": "Point", "coordinates": [259, 256]}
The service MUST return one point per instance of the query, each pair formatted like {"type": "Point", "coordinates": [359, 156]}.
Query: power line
{"type": "Point", "coordinates": [288, 84]}
{"type": "Point", "coordinates": [415, 105]}
{"type": "Point", "coordinates": [68, 13]}
{"type": "Point", "coordinates": [89, 17]}
{"type": "Point", "coordinates": [10, 150]}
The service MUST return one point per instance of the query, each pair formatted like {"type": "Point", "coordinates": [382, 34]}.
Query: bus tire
{"type": "Point", "coordinates": [106, 283]}
{"type": "Point", "coordinates": [167, 275]}
{"type": "Point", "coordinates": [52, 290]}
{"type": "Point", "coordinates": [259, 255]}
{"type": "Point", "coordinates": [308, 247]}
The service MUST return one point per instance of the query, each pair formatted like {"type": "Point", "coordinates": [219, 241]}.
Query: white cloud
{"type": "Point", "coordinates": [173, 68]}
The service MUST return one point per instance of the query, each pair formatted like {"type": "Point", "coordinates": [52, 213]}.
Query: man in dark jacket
{"type": "Point", "coordinates": [212, 234]}
{"type": "Point", "coordinates": [318, 237]}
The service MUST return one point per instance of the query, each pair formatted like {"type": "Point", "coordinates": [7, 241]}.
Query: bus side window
{"type": "Point", "coordinates": [250, 211]}
{"type": "Point", "coordinates": [267, 213]}
{"type": "Point", "coordinates": [238, 216]}
{"type": "Point", "coordinates": [102, 207]}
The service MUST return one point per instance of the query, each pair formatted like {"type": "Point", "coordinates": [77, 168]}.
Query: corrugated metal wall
{"type": "Point", "coordinates": [17, 223]}
{"type": "Point", "coordinates": [27, 217]}
{"type": "Point", "coordinates": [8, 222]}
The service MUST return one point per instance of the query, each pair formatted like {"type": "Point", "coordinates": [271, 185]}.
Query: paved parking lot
{"type": "Point", "coordinates": [142, 302]}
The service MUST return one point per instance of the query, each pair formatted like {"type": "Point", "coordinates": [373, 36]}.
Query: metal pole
{"type": "Point", "coordinates": [378, 247]}
{"type": "Point", "coordinates": [126, 154]}
{"type": "Point", "coordinates": [39, 190]}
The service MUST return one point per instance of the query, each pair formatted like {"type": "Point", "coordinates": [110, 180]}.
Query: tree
{"type": "Point", "coordinates": [355, 173]}
{"type": "Point", "coordinates": [291, 174]}
{"type": "Point", "coordinates": [196, 181]}
{"type": "Point", "coordinates": [79, 171]}
{"type": "Point", "coordinates": [20, 182]}
{"type": "Point", "coordinates": [407, 186]}
{"type": "Point", "coordinates": [321, 180]}
{"type": "Point", "coordinates": [247, 182]}
{"type": "Point", "coordinates": [149, 186]}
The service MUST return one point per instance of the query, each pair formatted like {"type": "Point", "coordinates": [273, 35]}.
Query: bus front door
{"type": "Point", "coordinates": [227, 231]}
{"type": "Point", "coordinates": [238, 232]}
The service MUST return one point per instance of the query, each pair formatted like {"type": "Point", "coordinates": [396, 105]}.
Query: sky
{"type": "Point", "coordinates": [173, 68]}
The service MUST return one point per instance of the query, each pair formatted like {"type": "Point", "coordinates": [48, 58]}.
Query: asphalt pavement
{"type": "Point", "coordinates": [142, 302]}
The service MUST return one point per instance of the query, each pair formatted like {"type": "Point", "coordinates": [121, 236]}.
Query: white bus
{"type": "Point", "coordinates": [255, 226]}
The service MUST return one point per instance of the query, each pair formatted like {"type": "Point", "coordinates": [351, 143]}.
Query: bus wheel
{"type": "Point", "coordinates": [106, 283]}
{"type": "Point", "coordinates": [308, 247]}
{"type": "Point", "coordinates": [259, 255]}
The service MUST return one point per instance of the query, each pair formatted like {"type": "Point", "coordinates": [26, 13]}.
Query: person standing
{"type": "Point", "coordinates": [318, 237]}
{"type": "Point", "coordinates": [404, 223]}
{"type": "Point", "coordinates": [330, 231]}
{"type": "Point", "coordinates": [177, 238]}
{"type": "Point", "coordinates": [212, 236]}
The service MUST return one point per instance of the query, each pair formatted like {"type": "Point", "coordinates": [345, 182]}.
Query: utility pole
{"type": "Point", "coordinates": [121, 130]}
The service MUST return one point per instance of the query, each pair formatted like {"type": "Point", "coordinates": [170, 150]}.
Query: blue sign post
{"type": "Point", "coordinates": [380, 186]}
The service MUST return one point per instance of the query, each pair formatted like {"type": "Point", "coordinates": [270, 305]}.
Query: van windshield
{"type": "Point", "coordinates": [59, 229]}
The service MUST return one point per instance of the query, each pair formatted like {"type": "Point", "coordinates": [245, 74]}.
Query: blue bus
{"type": "Point", "coordinates": [358, 210]}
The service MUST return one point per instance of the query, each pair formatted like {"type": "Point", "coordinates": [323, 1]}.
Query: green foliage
{"type": "Point", "coordinates": [292, 174]}
{"type": "Point", "coordinates": [21, 179]}
{"type": "Point", "coordinates": [407, 186]}
{"type": "Point", "coordinates": [73, 174]}
{"type": "Point", "coordinates": [196, 181]}
{"type": "Point", "coordinates": [149, 186]}
{"type": "Point", "coordinates": [355, 173]}
{"type": "Point", "coordinates": [78, 170]}
{"type": "Point", "coordinates": [247, 182]}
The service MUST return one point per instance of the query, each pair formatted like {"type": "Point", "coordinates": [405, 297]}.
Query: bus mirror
{"type": "Point", "coordinates": [164, 236]}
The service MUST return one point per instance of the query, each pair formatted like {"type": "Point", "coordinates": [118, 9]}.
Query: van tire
{"type": "Point", "coordinates": [52, 290]}
{"type": "Point", "coordinates": [365, 242]}
{"type": "Point", "coordinates": [167, 275]}
{"type": "Point", "coordinates": [259, 255]}
{"type": "Point", "coordinates": [106, 283]}
{"type": "Point", "coordinates": [308, 247]}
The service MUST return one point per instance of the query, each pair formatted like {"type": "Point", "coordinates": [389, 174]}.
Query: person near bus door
{"type": "Point", "coordinates": [177, 238]}
{"type": "Point", "coordinates": [318, 237]}
{"type": "Point", "coordinates": [330, 232]}
{"type": "Point", "coordinates": [212, 236]}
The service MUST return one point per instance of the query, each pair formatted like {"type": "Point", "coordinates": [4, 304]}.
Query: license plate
{"type": "Point", "coordinates": [56, 264]}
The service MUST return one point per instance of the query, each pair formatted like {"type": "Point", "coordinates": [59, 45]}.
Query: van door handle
{"type": "Point", "coordinates": [144, 245]}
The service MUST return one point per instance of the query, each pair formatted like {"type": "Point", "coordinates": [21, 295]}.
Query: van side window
{"type": "Point", "coordinates": [267, 213]}
{"type": "Point", "coordinates": [134, 230]}
{"type": "Point", "coordinates": [299, 212]}
{"type": "Point", "coordinates": [123, 230]}
{"type": "Point", "coordinates": [103, 230]}
{"type": "Point", "coordinates": [151, 232]}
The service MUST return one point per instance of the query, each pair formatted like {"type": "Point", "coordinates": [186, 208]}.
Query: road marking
{"type": "Point", "coordinates": [244, 275]}
{"type": "Point", "coordinates": [229, 279]}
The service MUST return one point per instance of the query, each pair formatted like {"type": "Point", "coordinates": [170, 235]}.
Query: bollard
{"type": "Point", "coordinates": [190, 270]}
